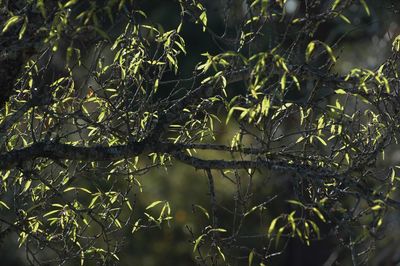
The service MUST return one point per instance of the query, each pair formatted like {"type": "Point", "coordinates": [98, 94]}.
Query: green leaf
{"type": "Point", "coordinates": [251, 257]}
{"type": "Point", "coordinates": [155, 203]}
{"type": "Point", "coordinates": [10, 22]}
{"type": "Point", "coordinates": [4, 205]}
{"type": "Point", "coordinates": [180, 46]}
{"type": "Point", "coordinates": [319, 214]}
{"type": "Point", "coordinates": [22, 238]}
{"type": "Point", "coordinates": [321, 140]}
{"type": "Point", "coordinates": [386, 83]}
{"type": "Point", "coordinates": [292, 222]}
{"type": "Point", "coordinates": [50, 213]}
{"type": "Point", "coordinates": [197, 242]}
{"type": "Point", "coordinates": [283, 82]}
{"type": "Point", "coordinates": [278, 235]}
{"type": "Point", "coordinates": [243, 114]}
{"type": "Point", "coordinates": [295, 202]}
{"type": "Point", "coordinates": [40, 5]}
{"type": "Point", "coordinates": [335, 4]}
{"type": "Point", "coordinates": [340, 91]}
{"type": "Point", "coordinates": [78, 188]}
{"type": "Point", "coordinates": [296, 82]}
{"type": "Point", "coordinates": [203, 19]}
{"type": "Point", "coordinates": [221, 230]}
{"type": "Point", "coordinates": [310, 49]}
{"type": "Point", "coordinates": [300, 139]}
{"type": "Point", "coordinates": [364, 4]}
{"type": "Point", "coordinates": [272, 226]}
{"type": "Point", "coordinates": [329, 51]}
{"type": "Point", "coordinates": [70, 3]}
{"type": "Point", "coordinates": [347, 157]}
{"type": "Point", "coordinates": [220, 253]}
{"type": "Point", "coordinates": [23, 29]}
{"type": "Point", "coordinates": [315, 228]}
{"type": "Point", "coordinates": [376, 207]}
{"type": "Point", "coordinates": [396, 44]}
{"type": "Point", "coordinates": [392, 175]}
{"type": "Point", "coordinates": [172, 61]}
{"type": "Point", "coordinates": [6, 175]}
{"type": "Point", "coordinates": [136, 226]}
{"type": "Point", "coordinates": [203, 210]}
{"type": "Point", "coordinates": [93, 201]}
{"type": "Point", "coordinates": [345, 19]}
{"type": "Point", "coordinates": [265, 105]}
{"type": "Point", "coordinates": [27, 185]}
{"type": "Point", "coordinates": [101, 116]}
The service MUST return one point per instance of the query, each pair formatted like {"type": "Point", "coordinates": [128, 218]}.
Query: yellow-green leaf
{"type": "Point", "coordinates": [310, 49]}
{"type": "Point", "coordinates": [23, 29]}
{"type": "Point", "coordinates": [251, 257]}
{"type": "Point", "coordinates": [4, 205]}
{"type": "Point", "coordinates": [340, 91]}
{"type": "Point", "coordinates": [197, 242]}
{"type": "Point", "coordinates": [329, 51]}
{"type": "Point", "coordinates": [203, 19]}
{"type": "Point", "coordinates": [364, 4]}
{"type": "Point", "coordinates": [335, 4]}
{"type": "Point", "coordinates": [272, 226]}
{"type": "Point", "coordinates": [11, 21]}
{"type": "Point", "coordinates": [155, 203]}
{"type": "Point", "coordinates": [319, 214]}
{"type": "Point", "coordinates": [396, 44]}
{"type": "Point", "coordinates": [70, 3]}
{"type": "Point", "coordinates": [376, 207]}
{"type": "Point", "coordinates": [220, 253]}
{"type": "Point", "coordinates": [345, 19]}
{"type": "Point", "coordinates": [203, 210]}
{"type": "Point", "coordinates": [283, 82]}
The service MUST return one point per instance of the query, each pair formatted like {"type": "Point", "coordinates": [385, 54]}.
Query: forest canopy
{"type": "Point", "coordinates": [183, 132]}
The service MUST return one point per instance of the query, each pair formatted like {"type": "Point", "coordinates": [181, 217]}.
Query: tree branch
{"type": "Point", "coordinates": [58, 151]}
{"type": "Point", "coordinates": [273, 164]}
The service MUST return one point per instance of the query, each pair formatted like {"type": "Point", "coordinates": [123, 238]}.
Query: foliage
{"type": "Point", "coordinates": [105, 95]}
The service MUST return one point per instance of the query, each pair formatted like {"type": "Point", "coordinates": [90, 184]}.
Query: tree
{"type": "Point", "coordinates": [97, 94]}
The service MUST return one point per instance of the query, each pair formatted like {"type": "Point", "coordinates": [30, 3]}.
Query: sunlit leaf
{"type": "Point", "coordinates": [10, 22]}
{"type": "Point", "coordinates": [153, 204]}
